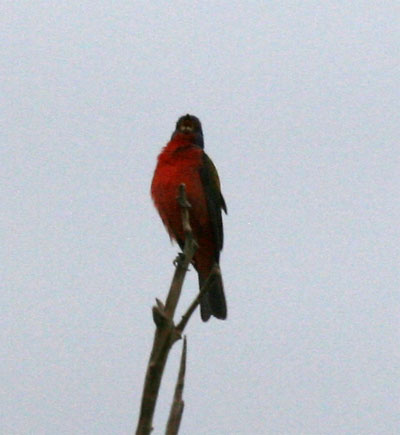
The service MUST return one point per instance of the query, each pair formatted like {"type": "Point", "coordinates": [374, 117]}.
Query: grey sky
{"type": "Point", "coordinates": [300, 108]}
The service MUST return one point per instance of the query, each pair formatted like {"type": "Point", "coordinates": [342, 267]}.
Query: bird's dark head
{"type": "Point", "coordinates": [190, 126]}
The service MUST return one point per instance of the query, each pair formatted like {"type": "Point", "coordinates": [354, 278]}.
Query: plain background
{"type": "Point", "coordinates": [300, 109]}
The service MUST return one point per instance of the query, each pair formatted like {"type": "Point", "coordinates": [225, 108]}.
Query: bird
{"type": "Point", "coordinates": [183, 160]}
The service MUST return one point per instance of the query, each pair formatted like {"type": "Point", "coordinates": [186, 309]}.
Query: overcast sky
{"type": "Point", "coordinates": [300, 109]}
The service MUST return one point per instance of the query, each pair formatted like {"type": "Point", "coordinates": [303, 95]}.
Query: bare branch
{"type": "Point", "coordinates": [166, 334]}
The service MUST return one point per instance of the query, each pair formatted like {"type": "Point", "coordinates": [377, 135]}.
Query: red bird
{"type": "Point", "coordinates": [183, 160]}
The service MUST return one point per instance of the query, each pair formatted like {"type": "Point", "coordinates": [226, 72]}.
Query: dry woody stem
{"type": "Point", "coordinates": [167, 333]}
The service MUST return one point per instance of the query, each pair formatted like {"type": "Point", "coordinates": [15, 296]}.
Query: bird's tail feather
{"type": "Point", "coordinates": [213, 303]}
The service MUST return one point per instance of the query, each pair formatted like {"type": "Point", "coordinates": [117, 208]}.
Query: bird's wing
{"type": "Point", "coordinates": [215, 200]}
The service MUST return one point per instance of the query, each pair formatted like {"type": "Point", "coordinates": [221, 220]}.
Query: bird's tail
{"type": "Point", "coordinates": [213, 303]}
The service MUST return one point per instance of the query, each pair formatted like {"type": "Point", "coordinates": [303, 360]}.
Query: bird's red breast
{"type": "Point", "coordinates": [183, 160]}
{"type": "Point", "coordinates": [179, 162]}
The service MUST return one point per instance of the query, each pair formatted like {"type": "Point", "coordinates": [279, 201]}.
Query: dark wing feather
{"type": "Point", "coordinates": [215, 200]}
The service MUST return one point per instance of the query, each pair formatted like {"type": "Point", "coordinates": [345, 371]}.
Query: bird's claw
{"type": "Point", "coordinates": [179, 258]}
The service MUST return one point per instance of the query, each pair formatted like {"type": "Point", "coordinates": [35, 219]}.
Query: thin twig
{"type": "Point", "coordinates": [192, 307]}
{"type": "Point", "coordinates": [175, 415]}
